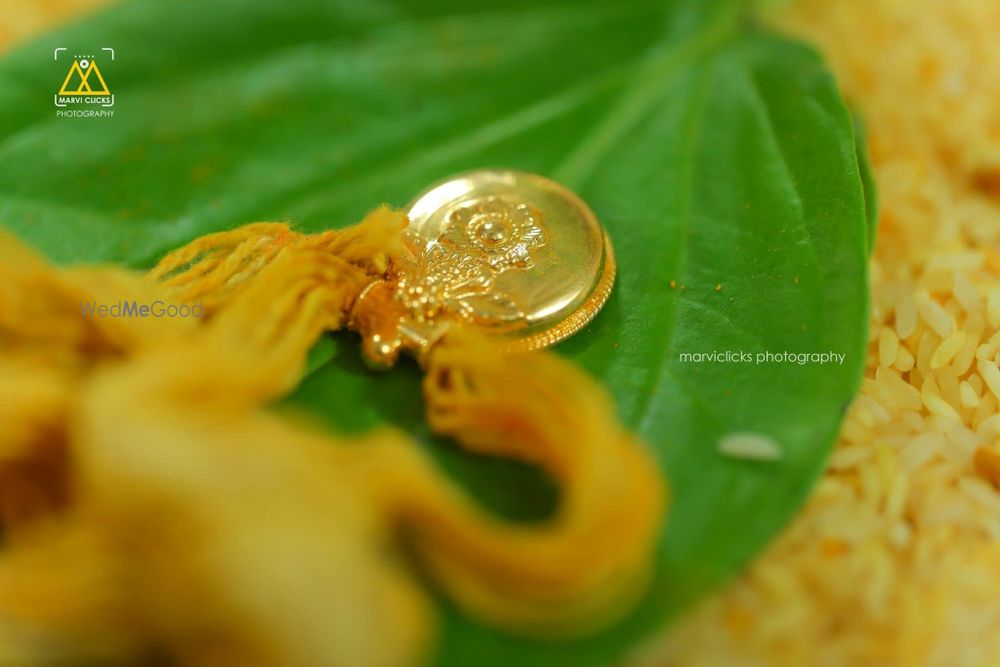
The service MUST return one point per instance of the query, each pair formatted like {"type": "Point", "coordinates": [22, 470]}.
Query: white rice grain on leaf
{"type": "Point", "coordinates": [750, 446]}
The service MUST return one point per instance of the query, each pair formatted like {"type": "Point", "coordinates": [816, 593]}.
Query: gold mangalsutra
{"type": "Point", "coordinates": [515, 255]}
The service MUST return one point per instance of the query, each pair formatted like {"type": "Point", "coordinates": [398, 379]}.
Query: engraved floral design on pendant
{"type": "Point", "coordinates": [455, 274]}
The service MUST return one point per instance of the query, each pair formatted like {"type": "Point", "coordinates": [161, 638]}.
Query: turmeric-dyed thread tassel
{"type": "Point", "coordinates": [200, 525]}
{"type": "Point", "coordinates": [585, 565]}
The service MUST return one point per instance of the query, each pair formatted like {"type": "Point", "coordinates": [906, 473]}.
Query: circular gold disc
{"type": "Point", "coordinates": [512, 253]}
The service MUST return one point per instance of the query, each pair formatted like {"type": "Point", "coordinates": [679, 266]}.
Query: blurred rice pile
{"type": "Point", "coordinates": [896, 559]}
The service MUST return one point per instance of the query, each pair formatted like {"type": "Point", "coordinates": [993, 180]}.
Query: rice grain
{"type": "Point", "coordinates": [888, 346]}
{"type": "Point", "coordinates": [939, 319]}
{"type": "Point", "coordinates": [750, 446]}
{"type": "Point", "coordinates": [991, 375]}
{"type": "Point", "coordinates": [947, 350]}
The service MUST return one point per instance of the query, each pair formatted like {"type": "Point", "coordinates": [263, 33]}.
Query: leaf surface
{"type": "Point", "coordinates": [719, 156]}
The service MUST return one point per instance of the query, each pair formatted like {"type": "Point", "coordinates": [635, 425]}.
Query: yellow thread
{"type": "Point", "coordinates": [140, 453]}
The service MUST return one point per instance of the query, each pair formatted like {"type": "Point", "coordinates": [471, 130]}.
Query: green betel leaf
{"type": "Point", "coordinates": [719, 156]}
{"type": "Point", "coordinates": [867, 181]}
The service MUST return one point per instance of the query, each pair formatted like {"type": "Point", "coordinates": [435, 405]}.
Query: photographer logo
{"type": "Point", "coordinates": [84, 91]}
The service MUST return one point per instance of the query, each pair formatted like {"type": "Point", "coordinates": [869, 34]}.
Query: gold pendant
{"type": "Point", "coordinates": [512, 254]}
